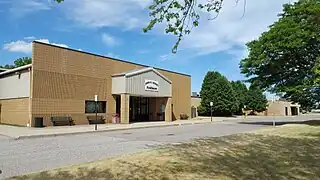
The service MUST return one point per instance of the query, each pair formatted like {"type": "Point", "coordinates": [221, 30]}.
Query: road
{"type": "Point", "coordinates": [19, 157]}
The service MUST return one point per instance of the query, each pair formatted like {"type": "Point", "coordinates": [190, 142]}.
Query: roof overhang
{"type": "Point", "coordinates": [16, 69]}
{"type": "Point", "coordinates": [142, 82]}
{"type": "Point", "coordinates": [140, 71]}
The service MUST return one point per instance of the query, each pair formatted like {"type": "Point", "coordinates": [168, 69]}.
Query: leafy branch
{"type": "Point", "coordinates": [180, 17]}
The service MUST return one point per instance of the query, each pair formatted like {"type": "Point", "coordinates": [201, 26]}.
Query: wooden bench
{"type": "Point", "coordinates": [96, 120]}
{"type": "Point", "coordinates": [61, 120]}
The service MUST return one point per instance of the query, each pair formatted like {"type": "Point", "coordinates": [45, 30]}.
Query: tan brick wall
{"type": "Point", "coordinates": [63, 79]}
{"type": "Point", "coordinates": [168, 110]}
{"type": "Point", "coordinates": [195, 101]}
{"type": "Point", "coordinates": [124, 110]}
{"type": "Point", "coordinates": [277, 108]}
{"type": "Point", "coordinates": [15, 111]}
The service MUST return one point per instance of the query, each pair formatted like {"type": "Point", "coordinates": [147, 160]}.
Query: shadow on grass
{"type": "Point", "coordinates": [80, 174]}
{"type": "Point", "coordinates": [271, 157]}
{"type": "Point", "coordinates": [279, 123]}
{"type": "Point", "coordinates": [245, 156]}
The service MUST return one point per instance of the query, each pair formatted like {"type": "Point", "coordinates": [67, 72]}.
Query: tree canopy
{"type": "Point", "coordinates": [18, 62]}
{"type": "Point", "coordinates": [217, 89]}
{"type": "Point", "coordinates": [241, 92]}
{"type": "Point", "coordinates": [256, 100]}
{"type": "Point", "coordinates": [285, 59]}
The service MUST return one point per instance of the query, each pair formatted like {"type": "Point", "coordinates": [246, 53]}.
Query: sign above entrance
{"type": "Point", "coordinates": [151, 85]}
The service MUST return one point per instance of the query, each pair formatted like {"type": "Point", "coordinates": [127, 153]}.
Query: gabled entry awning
{"type": "Point", "coordinates": [142, 82]}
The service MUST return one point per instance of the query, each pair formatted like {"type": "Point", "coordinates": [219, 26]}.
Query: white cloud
{"type": "Point", "coordinates": [26, 46]}
{"type": "Point", "coordinates": [20, 8]}
{"type": "Point", "coordinates": [109, 40]}
{"type": "Point", "coordinates": [112, 55]}
{"type": "Point", "coordinates": [164, 57]}
{"type": "Point", "coordinates": [108, 13]}
{"type": "Point", "coordinates": [18, 46]}
{"type": "Point", "coordinates": [48, 42]}
{"type": "Point", "coordinates": [230, 29]}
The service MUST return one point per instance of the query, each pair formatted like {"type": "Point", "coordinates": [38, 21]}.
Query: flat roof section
{"type": "Point", "coordinates": [108, 57]}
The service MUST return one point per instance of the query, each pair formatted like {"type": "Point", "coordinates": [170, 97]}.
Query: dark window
{"type": "Point", "coordinates": [91, 106]}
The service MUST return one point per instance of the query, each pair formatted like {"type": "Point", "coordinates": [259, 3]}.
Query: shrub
{"type": "Point", "coordinates": [184, 116]}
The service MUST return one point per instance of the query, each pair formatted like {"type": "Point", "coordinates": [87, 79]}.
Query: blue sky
{"type": "Point", "coordinates": [114, 28]}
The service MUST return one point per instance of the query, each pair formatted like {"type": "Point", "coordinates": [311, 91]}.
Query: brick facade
{"type": "Point", "coordinates": [62, 79]}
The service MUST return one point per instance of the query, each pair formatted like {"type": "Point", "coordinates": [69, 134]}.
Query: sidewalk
{"type": "Point", "coordinates": [27, 132]}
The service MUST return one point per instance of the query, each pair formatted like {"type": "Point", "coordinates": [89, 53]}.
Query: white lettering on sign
{"type": "Point", "coordinates": [151, 85]}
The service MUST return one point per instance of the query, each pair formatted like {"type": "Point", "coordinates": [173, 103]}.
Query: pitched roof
{"type": "Point", "coordinates": [140, 71]}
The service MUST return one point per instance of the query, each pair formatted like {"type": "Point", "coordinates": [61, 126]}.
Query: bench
{"type": "Point", "coordinates": [61, 120]}
{"type": "Point", "coordinates": [96, 120]}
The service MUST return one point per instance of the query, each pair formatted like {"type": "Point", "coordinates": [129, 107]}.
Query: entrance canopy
{"type": "Point", "coordinates": [142, 82]}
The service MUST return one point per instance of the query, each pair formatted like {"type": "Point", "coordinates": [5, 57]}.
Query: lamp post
{"type": "Point", "coordinates": [96, 109]}
{"type": "Point", "coordinates": [211, 104]}
{"type": "Point", "coordinates": [273, 121]}
{"type": "Point", "coordinates": [245, 112]}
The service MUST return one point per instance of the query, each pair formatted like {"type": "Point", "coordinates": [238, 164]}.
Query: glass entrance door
{"type": "Point", "coordinates": [139, 109]}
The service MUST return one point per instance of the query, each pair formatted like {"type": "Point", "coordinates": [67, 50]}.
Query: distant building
{"type": "Point", "coordinates": [282, 108]}
{"type": "Point", "coordinates": [275, 108]}
{"type": "Point", "coordinates": [195, 103]}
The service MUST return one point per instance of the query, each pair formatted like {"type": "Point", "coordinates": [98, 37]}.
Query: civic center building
{"type": "Point", "coordinates": [63, 82]}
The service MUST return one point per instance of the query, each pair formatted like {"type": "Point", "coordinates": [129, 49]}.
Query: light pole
{"type": "Point", "coordinates": [211, 104]}
{"type": "Point", "coordinates": [274, 121]}
{"type": "Point", "coordinates": [245, 112]}
{"type": "Point", "coordinates": [96, 102]}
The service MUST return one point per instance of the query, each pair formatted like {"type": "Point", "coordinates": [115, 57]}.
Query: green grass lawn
{"type": "Point", "coordinates": [285, 152]}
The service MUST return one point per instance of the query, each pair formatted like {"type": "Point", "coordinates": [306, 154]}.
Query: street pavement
{"type": "Point", "coordinates": [23, 156]}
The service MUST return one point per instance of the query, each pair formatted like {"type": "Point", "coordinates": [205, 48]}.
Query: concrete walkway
{"type": "Point", "coordinates": [28, 132]}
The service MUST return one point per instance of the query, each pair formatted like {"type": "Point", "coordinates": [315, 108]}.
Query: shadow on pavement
{"type": "Point", "coordinates": [279, 123]}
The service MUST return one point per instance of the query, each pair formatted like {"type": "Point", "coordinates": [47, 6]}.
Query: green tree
{"type": "Point", "coordinates": [283, 60]}
{"type": "Point", "coordinates": [217, 89]}
{"type": "Point", "coordinates": [241, 92]}
{"type": "Point", "coordinates": [316, 70]}
{"type": "Point", "coordinates": [256, 100]}
{"type": "Point", "coordinates": [7, 66]}
{"type": "Point", "coordinates": [18, 62]}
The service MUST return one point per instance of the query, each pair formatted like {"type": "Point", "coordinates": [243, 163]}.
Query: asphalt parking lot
{"type": "Point", "coordinates": [23, 156]}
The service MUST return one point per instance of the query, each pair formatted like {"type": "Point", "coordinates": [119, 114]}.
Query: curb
{"type": "Point", "coordinates": [106, 130]}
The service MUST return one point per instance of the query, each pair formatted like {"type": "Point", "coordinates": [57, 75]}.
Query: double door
{"type": "Point", "coordinates": [139, 109]}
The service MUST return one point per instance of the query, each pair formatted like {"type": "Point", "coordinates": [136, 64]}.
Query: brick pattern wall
{"type": "Point", "coordinates": [15, 111]}
{"type": "Point", "coordinates": [63, 79]}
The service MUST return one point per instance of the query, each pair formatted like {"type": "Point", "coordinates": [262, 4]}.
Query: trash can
{"type": "Point", "coordinates": [118, 119]}
{"type": "Point", "coordinates": [38, 122]}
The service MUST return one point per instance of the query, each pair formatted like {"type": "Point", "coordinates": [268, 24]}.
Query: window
{"type": "Point", "coordinates": [90, 106]}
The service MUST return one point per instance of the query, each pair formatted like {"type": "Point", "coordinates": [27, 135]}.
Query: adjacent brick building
{"type": "Point", "coordinates": [63, 82]}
